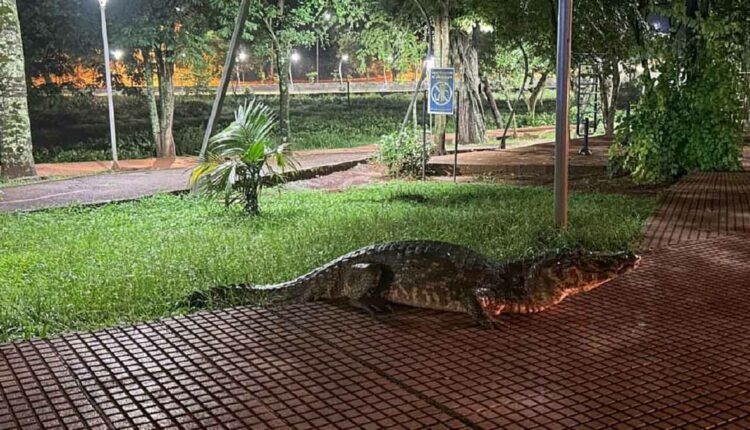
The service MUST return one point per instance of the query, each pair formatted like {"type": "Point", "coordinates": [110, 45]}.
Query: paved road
{"type": "Point", "coordinates": [133, 185]}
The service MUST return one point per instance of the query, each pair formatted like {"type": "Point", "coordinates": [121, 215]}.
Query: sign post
{"type": "Point", "coordinates": [442, 89]}
{"type": "Point", "coordinates": [441, 101]}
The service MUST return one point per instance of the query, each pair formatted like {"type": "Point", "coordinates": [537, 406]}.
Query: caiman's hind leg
{"type": "Point", "coordinates": [366, 284]}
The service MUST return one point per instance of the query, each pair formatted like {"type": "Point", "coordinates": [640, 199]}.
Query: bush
{"type": "Point", "coordinates": [240, 157]}
{"type": "Point", "coordinates": [401, 154]}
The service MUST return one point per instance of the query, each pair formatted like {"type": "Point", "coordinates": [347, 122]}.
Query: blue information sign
{"type": "Point", "coordinates": [442, 88]}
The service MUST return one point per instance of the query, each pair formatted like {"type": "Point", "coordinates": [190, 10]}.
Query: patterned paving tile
{"type": "Point", "coordinates": [701, 206]}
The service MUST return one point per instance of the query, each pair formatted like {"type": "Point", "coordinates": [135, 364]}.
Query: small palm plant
{"type": "Point", "coordinates": [241, 157]}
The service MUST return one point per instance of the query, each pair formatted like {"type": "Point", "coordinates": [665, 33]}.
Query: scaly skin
{"type": "Point", "coordinates": [438, 276]}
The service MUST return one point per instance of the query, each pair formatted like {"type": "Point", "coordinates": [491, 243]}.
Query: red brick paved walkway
{"type": "Point", "coordinates": [702, 206]}
{"type": "Point", "coordinates": [667, 346]}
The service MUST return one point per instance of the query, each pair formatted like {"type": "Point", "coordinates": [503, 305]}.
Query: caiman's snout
{"type": "Point", "coordinates": [628, 262]}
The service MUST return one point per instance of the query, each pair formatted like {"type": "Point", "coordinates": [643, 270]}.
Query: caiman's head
{"type": "Point", "coordinates": [533, 286]}
{"type": "Point", "coordinates": [611, 265]}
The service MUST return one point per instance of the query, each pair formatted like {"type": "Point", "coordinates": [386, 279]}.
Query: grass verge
{"type": "Point", "coordinates": [86, 268]}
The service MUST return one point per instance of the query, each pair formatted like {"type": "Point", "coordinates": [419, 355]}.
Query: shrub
{"type": "Point", "coordinates": [401, 154]}
{"type": "Point", "coordinates": [238, 158]}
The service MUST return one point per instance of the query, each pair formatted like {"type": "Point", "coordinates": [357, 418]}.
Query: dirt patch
{"type": "Point", "coordinates": [362, 174]}
{"type": "Point", "coordinates": [366, 174]}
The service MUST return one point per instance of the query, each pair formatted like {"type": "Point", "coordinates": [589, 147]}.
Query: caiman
{"type": "Point", "coordinates": [440, 276]}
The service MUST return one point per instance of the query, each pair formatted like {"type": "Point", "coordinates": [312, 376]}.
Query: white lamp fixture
{"type": "Point", "coordinates": [294, 58]}
{"type": "Point", "coordinates": [108, 73]}
{"type": "Point", "coordinates": [344, 59]}
{"type": "Point", "coordinates": [430, 62]}
{"type": "Point", "coordinates": [659, 23]}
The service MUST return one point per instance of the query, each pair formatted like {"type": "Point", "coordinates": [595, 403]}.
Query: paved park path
{"type": "Point", "coordinates": [666, 346]}
{"type": "Point", "coordinates": [143, 178]}
{"type": "Point", "coordinates": [132, 185]}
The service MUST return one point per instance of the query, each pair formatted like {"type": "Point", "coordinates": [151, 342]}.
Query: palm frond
{"type": "Point", "coordinates": [238, 156]}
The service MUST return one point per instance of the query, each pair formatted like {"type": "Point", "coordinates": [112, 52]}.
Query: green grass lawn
{"type": "Point", "coordinates": [85, 268]}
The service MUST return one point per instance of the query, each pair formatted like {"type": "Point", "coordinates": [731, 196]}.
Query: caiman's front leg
{"type": "Point", "coordinates": [366, 284]}
{"type": "Point", "coordinates": [477, 313]}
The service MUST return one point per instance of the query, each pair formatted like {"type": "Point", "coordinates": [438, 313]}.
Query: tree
{"type": "Point", "coordinates": [394, 43]}
{"type": "Point", "coordinates": [58, 35]}
{"type": "Point", "coordinates": [527, 29]}
{"type": "Point", "coordinates": [472, 129]}
{"type": "Point", "coordinates": [439, 15]}
{"type": "Point", "coordinates": [607, 34]}
{"type": "Point", "coordinates": [291, 23]}
{"type": "Point", "coordinates": [161, 33]}
{"type": "Point", "coordinates": [690, 116]}
{"type": "Point", "coordinates": [16, 157]}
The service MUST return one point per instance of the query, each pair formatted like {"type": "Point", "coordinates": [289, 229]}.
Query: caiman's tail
{"type": "Point", "coordinates": [243, 295]}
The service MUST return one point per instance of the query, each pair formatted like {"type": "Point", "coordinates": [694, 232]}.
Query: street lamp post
{"type": "Point", "coordinates": [295, 57]}
{"type": "Point", "coordinates": [562, 133]}
{"type": "Point", "coordinates": [108, 73]}
{"type": "Point", "coordinates": [344, 59]}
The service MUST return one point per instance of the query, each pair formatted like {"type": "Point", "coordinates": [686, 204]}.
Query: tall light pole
{"type": "Point", "coordinates": [108, 73]}
{"type": "Point", "coordinates": [344, 59]}
{"type": "Point", "coordinates": [295, 57]}
{"type": "Point", "coordinates": [562, 133]}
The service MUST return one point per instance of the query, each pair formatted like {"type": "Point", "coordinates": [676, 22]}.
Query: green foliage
{"type": "Point", "coordinates": [76, 128]}
{"type": "Point", "coordinates": [88, 268]}
{"type": "Point", "coordinates": [240, 156]}
{"type": "Point", "coordinates": [58, 35]}
{"type": "Point", "coordinates": [402, 154]}
{"type": "Point", "coordinates": [690, 118]}
{"type": "Point", "coordinates": [392, 43]}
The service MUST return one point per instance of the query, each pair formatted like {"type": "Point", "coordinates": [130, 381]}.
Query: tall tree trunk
{"type": "Point", "coordinates": [609, 88]}
{"type": "Point", "coordinates": [487, 89]}
{"type": "Point", "coordinates": [442, 59]}
{"type": "Point", "coordinates": [16, 157]}
{"type": "Point", "coordinates": [153, 110]}
{"type": "Point", "coordinates": [513, 122]}
{"type": "Point", "coordinates": [282, 64]}
{"type": "Point", "coordinates": [284, 116]}
{"type": "Point", "coordinates": [271, 66]}
{"type": "Point", "coordinates": [472, 129]}
{"type": "Point", "coordinates": [165, 72]}
{"type": "Point", "coordinates": [536, 92]}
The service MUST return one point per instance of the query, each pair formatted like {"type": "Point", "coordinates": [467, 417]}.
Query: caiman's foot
{"type": "Point", "coordinates": [490, 324]}
{"type": "Point", "coordinates": [374, 307]}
